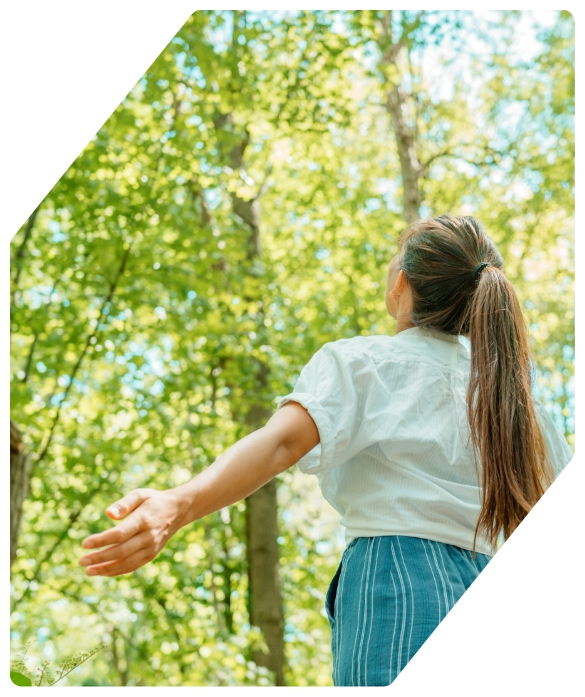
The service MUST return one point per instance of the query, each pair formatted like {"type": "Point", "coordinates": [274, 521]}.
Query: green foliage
{"type": "Point", "coordinates": [142, 318]}
{"type": "Point", "coordinates": [45, 675]}
{"type": "Point", "coordinates": [20, 679]}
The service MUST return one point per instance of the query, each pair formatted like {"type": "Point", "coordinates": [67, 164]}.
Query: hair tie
{"type": "Point", "coordinates": [479, 268]}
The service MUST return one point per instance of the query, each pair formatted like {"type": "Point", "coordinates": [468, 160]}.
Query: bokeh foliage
{"type": "Point", "coordinates": [136, 301]}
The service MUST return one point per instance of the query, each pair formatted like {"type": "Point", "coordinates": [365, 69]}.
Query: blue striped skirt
{"type": "Point", "coordinates": [388, 595]}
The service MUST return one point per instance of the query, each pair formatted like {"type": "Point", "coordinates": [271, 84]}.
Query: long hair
{"type": "Point", "coordinates": [440, 258]}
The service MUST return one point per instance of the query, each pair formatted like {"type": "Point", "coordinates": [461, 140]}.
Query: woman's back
{"type": "Point", "coordinates": [395, 456]}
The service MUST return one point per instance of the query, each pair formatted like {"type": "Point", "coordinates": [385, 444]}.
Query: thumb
{"type": "Point", "coordinates": [126, 505]}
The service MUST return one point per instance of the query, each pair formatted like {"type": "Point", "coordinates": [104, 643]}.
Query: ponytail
{"type": "Point", "coordinates": [500, 408]}
{"type": "Point", "coordinates": [458, 286]}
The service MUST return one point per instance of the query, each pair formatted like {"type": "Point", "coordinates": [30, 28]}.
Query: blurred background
{"type": "Point", "coordinates": [237, 211]}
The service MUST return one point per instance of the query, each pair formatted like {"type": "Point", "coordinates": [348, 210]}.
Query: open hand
{"type": "Point", "coordinates": [152, 518]}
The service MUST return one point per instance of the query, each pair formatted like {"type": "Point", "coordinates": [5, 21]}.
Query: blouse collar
{"type": "Point", "coordinates": [427, 331]}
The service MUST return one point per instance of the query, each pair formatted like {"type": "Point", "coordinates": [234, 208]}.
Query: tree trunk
{"type": "Point", "coordinates": [263, 560]}
{"type": "Point", "coordinates": [262, 553]}
{"type": "Point", "coordinates": [263, 579]}
{"type": "Point", "coordinates": [20, 467]}
{"type": "Point", "coordinates": [409, 164]}
{"type": "Point", "coordinates": [396, 106]}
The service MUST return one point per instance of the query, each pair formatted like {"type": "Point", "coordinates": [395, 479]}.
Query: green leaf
{"type": "Point", "coordinates": [20, 679]}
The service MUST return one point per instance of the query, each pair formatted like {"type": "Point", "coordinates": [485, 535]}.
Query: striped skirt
{"type": "Point", "coordinates": [387, 596]}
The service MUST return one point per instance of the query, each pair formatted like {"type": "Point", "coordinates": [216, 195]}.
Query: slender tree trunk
{"type": "Point", "coordinates": [405, 134]}
{"type": "Point", "coordinates": [262, 556]}
{"type": "Point", "coordinates": [20, 467]}
{"type": "Point", "coordinates": [409, 164]}
{"type": "Point", "coordinates": [262, 553]}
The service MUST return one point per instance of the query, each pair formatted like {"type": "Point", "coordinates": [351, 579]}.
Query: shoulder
{"type": "Point", "coordinates": [358, 346]}
{"type": "Point", "coordinates": [399, 347]}
{"type": "Point", "coordinates": [381, 346]}
{"type": "Point", "coordinates": [359, 351]}
{"type": "Point", "coordinates": [384, 354]}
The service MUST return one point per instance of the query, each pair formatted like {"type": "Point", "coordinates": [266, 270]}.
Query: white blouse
{"type": "Point", "coordinates": [394, 456]}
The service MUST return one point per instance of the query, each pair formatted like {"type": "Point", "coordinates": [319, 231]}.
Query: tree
{"type": "Point", "coordinates": [20, 464]}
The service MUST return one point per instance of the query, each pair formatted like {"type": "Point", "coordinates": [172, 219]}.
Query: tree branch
{"type": "Point", "coordinates": [424, 168]}
{"type": "Point", "coordinates": [73, 517]}
{"type": "Point", "coordinates": [28, 363]}
{"type": "Point", "coordinates": [19, 256]}
{"type": "Point", "coordinates": [95, 608]}
{"type": "Point", "coordinates": [264, 185]}
{"type": "Point", "coordinates": [450, 152]}
{"type": "Point", "coordinates": [92, 335]}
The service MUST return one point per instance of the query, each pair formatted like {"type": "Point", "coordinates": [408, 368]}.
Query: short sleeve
{"type": "Point", "coordinates": [559, 450]}
{"type": "Point", "coordinates": [331, 387]}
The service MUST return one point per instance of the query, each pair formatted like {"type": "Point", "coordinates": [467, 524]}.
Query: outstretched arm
{"type": "Point", "coordinates": [152, 517]}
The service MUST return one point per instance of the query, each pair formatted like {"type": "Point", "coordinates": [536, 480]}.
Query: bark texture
{"type": "Point", "coordinates": [409, 164]}
{"type": "Point", "coordinates": [405, 133]}
{"type": "Point", "coordinates": [20, 467]}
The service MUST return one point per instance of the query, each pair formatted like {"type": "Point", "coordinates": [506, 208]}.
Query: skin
{"type": "Point", "coordinates": [151, 517]}
{"type": "Point", "coordinates": [398, 295]}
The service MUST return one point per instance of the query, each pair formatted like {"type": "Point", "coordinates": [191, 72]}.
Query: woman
{"type": "Point", "coordinates": [429, 451]}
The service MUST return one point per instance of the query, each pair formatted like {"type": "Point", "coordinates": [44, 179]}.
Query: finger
{"type": "Point", "coordinates": [117, 535]}
{"type": "Point", "coordinates": [121, 551]}
{"type": "Point", "coordinates": [126, 505]}
{"type": "Point", "coordinates": [120, 566]}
